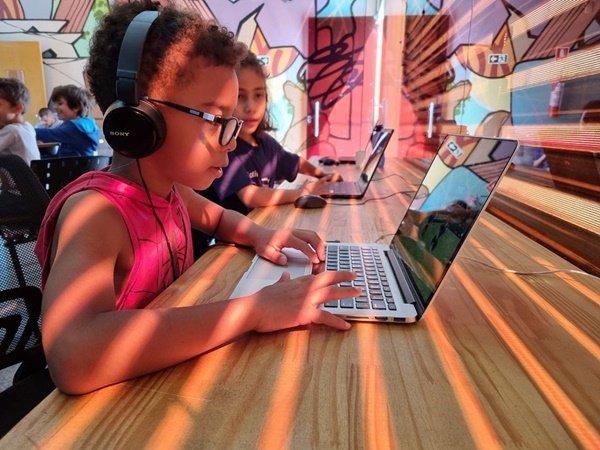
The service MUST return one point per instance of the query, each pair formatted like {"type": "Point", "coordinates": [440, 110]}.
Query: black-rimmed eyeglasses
{"type": "Point", "coordinates": [230, 126]}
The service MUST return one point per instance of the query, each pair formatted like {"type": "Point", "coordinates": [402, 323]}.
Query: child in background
{"type": "Point", "coordinates": [114, 239]}
{"type": "Point", "coordinates": [259, 161]}
{"type": "Point", "coordinates": [47, 119]}
{"type": "Point", "coordinates": [17, 136]}
{"type": "Point", "coordinates": [78, 134]}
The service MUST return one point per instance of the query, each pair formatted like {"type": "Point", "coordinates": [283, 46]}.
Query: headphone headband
{"type": "Point", "coordinates": [133, 126]}
{"type": "Point", "coordinates": [130, 57]}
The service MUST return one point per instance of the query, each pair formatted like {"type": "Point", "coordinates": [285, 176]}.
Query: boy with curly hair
{"type": "Point", "coordinates": [114, 239]}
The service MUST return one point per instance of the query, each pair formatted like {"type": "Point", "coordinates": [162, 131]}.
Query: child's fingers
{"type": "Point", "coordinates": [325, 286]}
{"type": "Point", "coordinates": [330, 320]}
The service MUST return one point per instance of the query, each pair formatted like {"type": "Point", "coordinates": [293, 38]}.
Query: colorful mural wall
{"type": "Point", "coordinates": [487, 67]}
{"type": "Point", "coordinates": [525, 69]}
{"type": "Point", "coordinates": [64, 27]}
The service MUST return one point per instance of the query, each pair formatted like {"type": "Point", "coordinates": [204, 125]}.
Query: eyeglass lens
{"type": "Point", "coordinates": [229, 130]}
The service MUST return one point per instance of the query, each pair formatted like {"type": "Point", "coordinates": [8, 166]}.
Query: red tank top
{"type": "Point", "coordinates": [152, 270]}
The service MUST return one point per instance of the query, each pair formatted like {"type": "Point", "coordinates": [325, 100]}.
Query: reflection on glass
{"type": "Point", "coordinates": [453, 193]}
{"type": "Point", "coordinates": [530, 156]}
{"type": "Point", "coordinates": [374, 150]}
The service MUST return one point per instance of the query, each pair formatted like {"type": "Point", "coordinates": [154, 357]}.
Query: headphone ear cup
{"type": "Point", "coordinates": [134, 131]}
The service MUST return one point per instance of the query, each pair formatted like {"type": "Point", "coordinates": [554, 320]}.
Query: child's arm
{"type": "Point", "coordinates": [231, 226]}
{"type": "Point", "coordinates": [63, 133]}
{"type": "Point", "coordinates": [89, 344]}
{"type": "Point", "coordinates": [257, 196]}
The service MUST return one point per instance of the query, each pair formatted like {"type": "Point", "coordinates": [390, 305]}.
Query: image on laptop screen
{"type": "Point", "coordinates": [452, 195]}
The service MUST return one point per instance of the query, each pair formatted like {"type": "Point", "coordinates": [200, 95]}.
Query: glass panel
{"type": "Point", "coordinates": [432, 82]}
{"type": "Point", "coordinates": [340, 81]}
{"type": "Point", "coordinates": [528, 70]}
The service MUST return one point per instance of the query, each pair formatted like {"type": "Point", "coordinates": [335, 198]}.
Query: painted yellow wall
{"type": "Point", "coordinates": [26, 57]}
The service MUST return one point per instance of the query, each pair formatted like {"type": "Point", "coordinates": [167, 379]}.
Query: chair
{"type": "Point", "coordinates": [56, 173]}
{"type": "Point", "coordinates": [21, 339]}
{"type": "Point", "coordinates": [21, 342]}
{"type": "Point", "coordinates": [23, 203]}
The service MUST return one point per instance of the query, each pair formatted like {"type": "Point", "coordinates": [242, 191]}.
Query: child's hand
{"type": "Point", "coordinates": [270, 243]}
{"type": "Point", "coordinates": [335, 177]}
{"type": "Point", "coordinates": [319, 187]}
{"type": "Point", "coordinates": [291, 303]}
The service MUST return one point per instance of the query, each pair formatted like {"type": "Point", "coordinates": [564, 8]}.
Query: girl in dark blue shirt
{"type": "Point", "coordinates": [259, 161]}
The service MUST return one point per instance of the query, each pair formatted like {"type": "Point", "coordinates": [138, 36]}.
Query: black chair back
{"type": "Point", "coordinates": [23, 203]}
{"type": "Point", "coordinates": [56, 173]}
{"type": "Point", "coordinates": [21, 342]}
{"type": "Point", "coordinates": [20, 310]}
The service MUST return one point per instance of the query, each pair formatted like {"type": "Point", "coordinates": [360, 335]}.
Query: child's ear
{"type": "Point", "coordinates": [20, 109]}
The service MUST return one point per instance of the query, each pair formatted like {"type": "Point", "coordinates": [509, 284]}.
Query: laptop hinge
{"type": "Point", "coordinates": [402, 276]}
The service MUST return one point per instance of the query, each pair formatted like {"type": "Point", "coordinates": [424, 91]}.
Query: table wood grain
{"type": "Point", "coordinates": [500, 360]}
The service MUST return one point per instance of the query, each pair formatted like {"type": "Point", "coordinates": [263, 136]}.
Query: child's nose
{"type": "Point", "coordinates": [229, 147]}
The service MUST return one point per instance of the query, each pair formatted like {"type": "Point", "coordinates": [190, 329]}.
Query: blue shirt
{"type": "Point", "coordinates": [78, 137]}
{"type": "Point", "coordinates": [263, 165]}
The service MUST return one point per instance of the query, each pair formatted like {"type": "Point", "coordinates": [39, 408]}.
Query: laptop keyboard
{"type": "Point", "coordinates": [371, 278]}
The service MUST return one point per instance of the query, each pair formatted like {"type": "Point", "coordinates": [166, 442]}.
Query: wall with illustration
{"type": "Point", "coordinates": [490, 67]}
{"type": "Point", "coordinates": [518, 68]}
{"type": "Point", "coordinates": [277, 30]}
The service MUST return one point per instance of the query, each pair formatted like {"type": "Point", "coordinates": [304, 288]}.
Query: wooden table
{"type": "Point", "coordinates": [499, 360]}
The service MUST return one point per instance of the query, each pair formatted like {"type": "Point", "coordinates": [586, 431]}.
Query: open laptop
{"type": "Point", "coordinates": [400, 280]}
{"type": "Point", "coordinates": [373, 154]}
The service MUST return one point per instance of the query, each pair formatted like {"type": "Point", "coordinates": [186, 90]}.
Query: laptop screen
{"type": "Point", "coordinates": [373, 153]}
{"type": "Point", "coordinates": [451, 197]}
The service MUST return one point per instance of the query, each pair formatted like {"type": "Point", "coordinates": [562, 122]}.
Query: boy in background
{"type": "Point", "coordinates": [17, 136]}
{"type": "Point", "coordinates": [78, 134]}
{"type": "Point", "coordinates": [47, 119]}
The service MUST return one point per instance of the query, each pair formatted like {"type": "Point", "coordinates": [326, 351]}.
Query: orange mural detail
{"type": "Point", "coordinates": [280, 58]}
{"type": "Point", "coordinates": [494, 61]}
{"type": "Point", "coordinates": [75, 13]}
{"type": "Point", "coordinates": [11, 9]}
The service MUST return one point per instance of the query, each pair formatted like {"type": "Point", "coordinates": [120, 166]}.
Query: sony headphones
{"type": "Point", "coordinates": [132, 126]}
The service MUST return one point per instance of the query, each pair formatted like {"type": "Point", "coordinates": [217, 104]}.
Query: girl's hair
{"type": "Point", "coordinates": [175, 38]}
{"type": "Point", "coordinates": [15, 92]}
{"type": "Point", "coordinates": [253, 63]}
{"type": "Point", "coordinates": [76, 97]}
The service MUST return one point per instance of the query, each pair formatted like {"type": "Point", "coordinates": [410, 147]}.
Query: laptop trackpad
{"type": "Point", "coordinates": [298, 265]}
{"type": "Point", "coordinates": [263, 273]}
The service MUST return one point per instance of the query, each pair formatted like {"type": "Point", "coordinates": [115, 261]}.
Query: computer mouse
{"type": "Point", "coordinates": [310, 201]}
{"type": "Point", "coordinates": [329, 161]}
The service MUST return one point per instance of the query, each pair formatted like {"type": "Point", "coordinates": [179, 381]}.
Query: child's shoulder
{"type": "Point", "coordinates": [269, 144]}
{"type": "Point", "coordinates": [19, 127]}
{"type": "Point", "coordinates": [95, 191]}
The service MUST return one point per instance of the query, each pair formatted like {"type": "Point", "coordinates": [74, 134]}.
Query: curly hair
{"type": "Point", "coordinates": [252, 62]}
{"type": "Point", "coordinates": [176, 37]}
{"type": "Point", "coordinates": [76, 97]}
{"type": "Point", "coordinates": [15, 92]}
